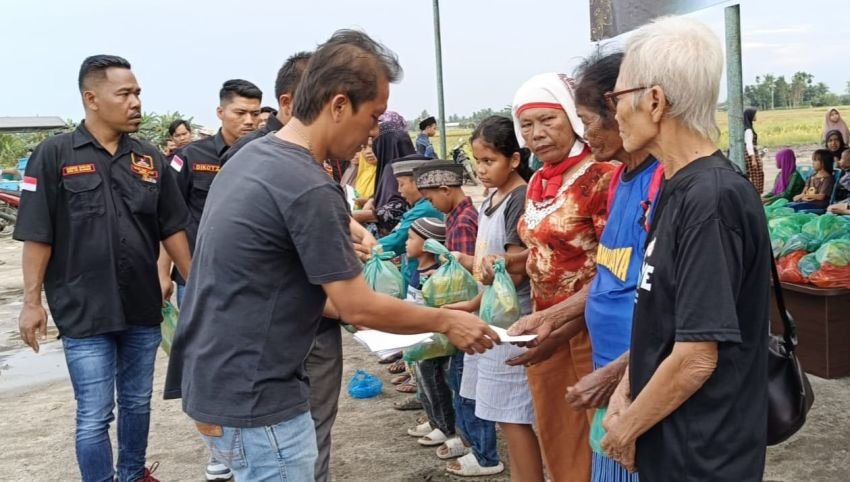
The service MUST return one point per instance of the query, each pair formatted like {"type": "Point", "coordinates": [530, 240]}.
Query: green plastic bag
{"type": "Point", "coordinates": [427, 350]}
{"type": "Point", "coordinates": [500, 305]}
{"type": "Point", "coordinates": [170, 315]}
{"type": "Point", "coordinates": [451, 283]}
{"type": "Point", "coordinates": [382, 275]}
{"type": "Point", "coordinates": [826, 228]}
{"type": "Point", "coordinates": [800, 242]}
{"type": "Point", "coordinates": [836, 253]}
{"type": "Point", "coordinates": [809, 264]}
{"type": "Point", "coordinates": [597, 433]}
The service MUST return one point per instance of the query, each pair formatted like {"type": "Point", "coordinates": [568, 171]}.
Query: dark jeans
{"type": "Point", "coordinates": [100, 366]}
{"type": "Point", "coordinates": [480, 434]}
{"type": "Point", "coordinates": [434, 393]}
{"type": "Point", "coordinates": [324, 367]}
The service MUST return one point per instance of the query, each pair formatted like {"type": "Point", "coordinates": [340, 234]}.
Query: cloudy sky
{"type": "Point", "coordinates": [182, 50]}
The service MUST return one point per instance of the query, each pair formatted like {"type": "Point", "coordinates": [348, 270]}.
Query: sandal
{"type": "Point", "coordinates": [398, 380]}
{"type": "Point", "coordinates": [406, 387]}
{"type": "Point", "coordinates": [468, 466]}
{"type": "Point", "coordinates": [420, 430]}
{"type": "Point", "coordinates": [390, 359]}
{"type": "Point", "coordinates": [397, 368]}
{"type": "Point", "coordinates": [410, 403]}
{"type": "Point", "coordinates": [453, 448]}
{"type": "Point", "coordinates": [422, 419]}
{"type": "Point", "coordinates": [436, 437]}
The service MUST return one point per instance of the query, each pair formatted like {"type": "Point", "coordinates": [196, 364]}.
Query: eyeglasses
{"type": "Point", "coordinates": [611, 98]}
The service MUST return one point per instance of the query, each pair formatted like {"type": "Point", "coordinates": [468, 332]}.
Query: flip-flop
{"type": "Point", "coordinates": [390, 359]}
{"type": "Point", "coordinates": [398, 380]}
{"type": "Point", "coordinates": [453, 448]}
{"type": "Point", "coordinates": [397, 368]}
{"type": "Point", "coordinates": [406, 387]}
{"type": "Point", "coordinates": [420, 430]}
{"type": "Point", "coordinates": [436, 437]}
{"type": "Point", "coordinates": [410, 403]}
{"type": "Point", "coordinates": [469, 467]}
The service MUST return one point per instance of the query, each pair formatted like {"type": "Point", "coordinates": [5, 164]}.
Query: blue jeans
{"type": "Point", "coordinates": [181, 292]}
{"type": "Point", "coordinates": [480, 434]}
{"type": "Point", "coordinates": [100, 366]}
{"type": "Point", "coordinates": [283, 452]}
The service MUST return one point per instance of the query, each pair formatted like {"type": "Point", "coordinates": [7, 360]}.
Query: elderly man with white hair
{"type": "Point", "coordinates": [693, 405]}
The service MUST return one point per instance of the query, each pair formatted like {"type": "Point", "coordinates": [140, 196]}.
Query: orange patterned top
{"type": "Point", "coordinates": [563, 233]}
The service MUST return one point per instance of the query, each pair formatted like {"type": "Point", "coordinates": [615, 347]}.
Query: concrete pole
{"type": "Point", "coordinates": [441, 103]}
{"type": "Point", "coordinates": [735, 86]}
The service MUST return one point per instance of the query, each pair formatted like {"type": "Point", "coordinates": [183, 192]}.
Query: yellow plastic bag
{"type": "Point", "coordinates": [451, 283]}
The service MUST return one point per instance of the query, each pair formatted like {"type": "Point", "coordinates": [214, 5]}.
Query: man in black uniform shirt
{"type": "Point", "coordinates": [96, 205]}
{"type": "Point", "coordinates": [198, 163]}
{"type": "Point", "coordinates": [287, 81]}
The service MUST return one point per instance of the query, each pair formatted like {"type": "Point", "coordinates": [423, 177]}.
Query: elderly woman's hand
{"type": "Point", "coordinates": [616, 443]}
{"type": "Point", "coordinates": [488, 270]}
{"type": "Point", "coordinates": [535, 324]}
{"type": "Point", "coordinates": [595, 389]}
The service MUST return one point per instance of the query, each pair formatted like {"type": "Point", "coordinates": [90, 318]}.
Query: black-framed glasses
{"type": "Point", "coordinates": [611, 98]}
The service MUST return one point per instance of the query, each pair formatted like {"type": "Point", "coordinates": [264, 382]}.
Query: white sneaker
{"type": "Point", "coordinates": [217, 471]}
{"type": "Point", "coordinates": [437, 437]}
{"type": "Point", "coordinates": [421, 430]}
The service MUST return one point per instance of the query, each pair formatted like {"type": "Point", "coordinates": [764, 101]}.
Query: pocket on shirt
{"type": "Point", "coordinates": [200, 190]}
{"type": "Point", "coordinates": [85, 196]}
{"type": "Point", "coordinates": [143, 198]}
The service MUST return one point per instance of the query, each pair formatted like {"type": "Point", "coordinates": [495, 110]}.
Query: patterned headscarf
{"type": "Point", "coordinates": [391, 121]}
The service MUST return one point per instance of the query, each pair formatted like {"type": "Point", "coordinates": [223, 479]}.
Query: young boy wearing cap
{"type": "Point", "coordinates": [419, 208]}
{"type": "Point", "coordinates": [427, 130]}
{"type": "Point", "coordinates": [441, 182]}
{"type": "Point", "coordinates": [431, 382]}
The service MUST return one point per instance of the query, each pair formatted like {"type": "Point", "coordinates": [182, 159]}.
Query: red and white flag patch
{"type": "Point", "coordinates": [177, 163]}
{"type": "Point", "coordinates": [29, 183]}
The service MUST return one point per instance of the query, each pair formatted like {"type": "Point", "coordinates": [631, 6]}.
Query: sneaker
{"type": "Point", "coordinates": [420, 430]}
{"type": "Point", "coordinates": [148, 476]}
{"type": "Point", "coordinates": [217, 471]}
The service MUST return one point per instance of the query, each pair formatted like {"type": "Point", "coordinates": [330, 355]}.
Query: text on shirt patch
{"type": "Point", "coordinates": [616, 260]}
{"type": "Point", "coordinates": [205, 168]}
{"type": "Point", "coordinates": [79, 169]}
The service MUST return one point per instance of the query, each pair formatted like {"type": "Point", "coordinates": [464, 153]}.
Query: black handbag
{"type": "Point", "coordinates": [789, 393]}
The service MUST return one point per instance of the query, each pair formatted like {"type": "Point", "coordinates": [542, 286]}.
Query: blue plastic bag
{"type": "Point", "coordinates": [364, 385]}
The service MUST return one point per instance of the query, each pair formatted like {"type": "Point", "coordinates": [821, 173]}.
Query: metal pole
{"type": "Point", "coordinates": [735, 86]}
{"type": "Point", "coordinates": [441, 104]}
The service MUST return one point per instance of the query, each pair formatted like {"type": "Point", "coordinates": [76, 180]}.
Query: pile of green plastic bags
{"type": "Point", "coordinates": [810, 249]}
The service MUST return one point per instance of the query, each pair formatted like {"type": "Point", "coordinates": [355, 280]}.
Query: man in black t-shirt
{"type": "Point", "coordinates": [273, 254]}
{"type": "Point", "coordinates": [698, 362]}
{"type": "Point", "coordinates": [96, 204]}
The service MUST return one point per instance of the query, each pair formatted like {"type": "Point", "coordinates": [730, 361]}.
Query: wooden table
{"type": "Point", "coordinates": [823, 327]}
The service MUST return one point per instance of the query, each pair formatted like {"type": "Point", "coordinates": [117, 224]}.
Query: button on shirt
{"type": "Point", "coordinates": [104, 216]}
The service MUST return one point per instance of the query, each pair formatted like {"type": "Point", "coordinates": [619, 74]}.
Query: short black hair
{"type": "Point", "coordinates": [349, 63]}
{"type": "Point", "coordinates": [597, 75]}
{"type": "Point", "coordinates": [241, 88]}
{"type": "Point", "coordinates": [427, 122]}
{"type": "Point", "coordinates": [96, 65]}
{"type": "Point", "coordinates": [290, 73]}
{"type": "Point", "coordinates": [172, 128]}
{"type": "Point", "coordinates": [498, 132]}
{"type": "Point", "coordinates": [268, 110]}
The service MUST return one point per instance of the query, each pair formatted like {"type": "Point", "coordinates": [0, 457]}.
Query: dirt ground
{"type": "Point", "coordinates": [370, 443]}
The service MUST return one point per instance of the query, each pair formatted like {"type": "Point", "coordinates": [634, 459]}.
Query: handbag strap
{"type": "Point", "coordinates": [789, 326]}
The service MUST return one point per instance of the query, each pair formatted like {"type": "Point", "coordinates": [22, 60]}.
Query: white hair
{"type": "Point", "coordinates": [683, 57]}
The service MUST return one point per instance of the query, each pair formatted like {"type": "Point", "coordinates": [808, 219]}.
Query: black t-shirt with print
{"type": "Point", "coordinates": [705, 277]}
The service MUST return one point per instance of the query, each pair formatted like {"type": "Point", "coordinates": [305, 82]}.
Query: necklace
{"type": "Point", "coordinates": [305, 140]}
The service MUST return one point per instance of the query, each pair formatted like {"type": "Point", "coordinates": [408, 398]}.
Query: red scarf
{"type": "Point", "coordinates": [554, 177]}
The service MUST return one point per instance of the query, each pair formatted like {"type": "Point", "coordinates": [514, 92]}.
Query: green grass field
{"type": "Point", "coordinates": [778, 128]}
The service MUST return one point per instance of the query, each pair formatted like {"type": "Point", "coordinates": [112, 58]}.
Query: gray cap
{"type": "Point", "coordinates": [437, 174]}
{"type": "Point", "coordinates": [405, 166]}
{"type": "Point", "coordinates": [430, 228]}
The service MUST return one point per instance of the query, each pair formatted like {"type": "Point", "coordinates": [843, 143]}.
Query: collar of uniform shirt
{"type": "Point", "coordinates": [81, 136]}
{"type": "Point", "coordinates": [220, 145]}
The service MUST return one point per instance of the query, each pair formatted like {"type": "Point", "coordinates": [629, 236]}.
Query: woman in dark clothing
{"type": "Point", "coordinates": [385, 210]}
{"type": "Point", "coordinates": [755, 169]}
{"type": "Point", "coordinates": [835, 144]}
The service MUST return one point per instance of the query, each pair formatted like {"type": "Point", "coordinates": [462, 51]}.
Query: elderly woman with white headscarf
{"type": "Point", "coordinates": [694, 401]}
{"type": "Point", "coordinates": [564, 217]}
